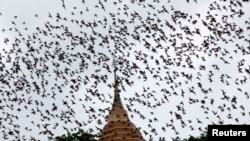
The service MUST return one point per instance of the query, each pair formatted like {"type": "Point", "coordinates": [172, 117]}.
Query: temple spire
{"type": "Point", "coordinates": [117, 100]}
{"type": "Point", "coordinates": [119, 127]}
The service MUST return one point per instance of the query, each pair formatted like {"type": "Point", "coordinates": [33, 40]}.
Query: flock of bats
{"type": "Point", "coordinates": [200, 59]}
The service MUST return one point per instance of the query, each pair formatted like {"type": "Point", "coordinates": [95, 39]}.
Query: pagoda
{"type": "Point", "coordinates": [119, 127]}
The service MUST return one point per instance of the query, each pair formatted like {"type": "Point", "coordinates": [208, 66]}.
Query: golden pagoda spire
{"type": "Point", "coordinates": [117, 100]}
{"type": "Point", "coordinates": [119, 127]}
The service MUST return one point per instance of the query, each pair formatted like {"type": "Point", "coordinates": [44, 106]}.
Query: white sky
{"type": "Point", "coordinates": [26, 11]}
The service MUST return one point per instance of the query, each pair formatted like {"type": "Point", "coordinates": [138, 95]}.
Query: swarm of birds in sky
{"type": "Point", "coordinates": [180, 67]}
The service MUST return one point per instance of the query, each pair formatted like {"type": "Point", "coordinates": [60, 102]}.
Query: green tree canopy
{"type": "Point", "coordinates": [202, 137]}
{"type": "Point", "coordinates": [78, 136]}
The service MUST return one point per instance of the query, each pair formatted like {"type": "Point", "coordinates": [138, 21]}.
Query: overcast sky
{"type": "Point", "coordinates": [28, 15]}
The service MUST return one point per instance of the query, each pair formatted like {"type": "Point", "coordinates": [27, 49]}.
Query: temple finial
{"type": "Point", "coordinates": [115, 69]}
{"type": "Point", "coordinates": [117, 100]}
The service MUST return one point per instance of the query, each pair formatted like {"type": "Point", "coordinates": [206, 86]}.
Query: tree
{"type": "Point", "coordinates": [202, 137]}
{"type": "Point", "coordinates": [78, 136]}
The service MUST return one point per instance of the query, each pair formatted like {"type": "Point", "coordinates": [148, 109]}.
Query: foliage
{"type": "Point", "coordinates": [78, 136]}
{"type": "Point", "coordinates": [202, 137]}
